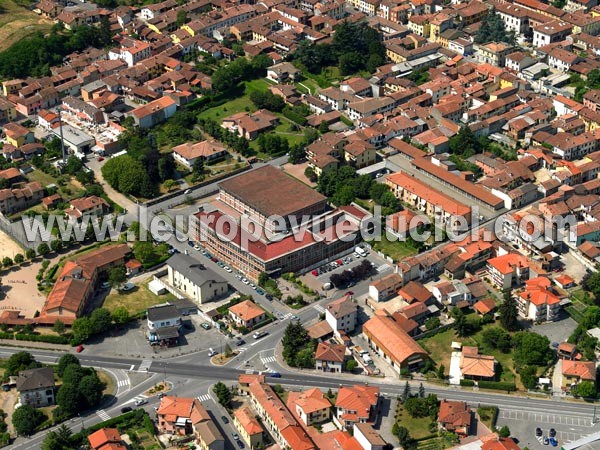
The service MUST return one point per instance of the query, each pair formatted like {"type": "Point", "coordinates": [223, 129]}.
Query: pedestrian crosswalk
{"type": "Point", "coordinates": [287, 316]}
{"type": "Point", "coordinates": [319, 308]}
{"type": "Point", "coordinates": [103, 414]}
{"type": "Point", "coordinates": [203, 398]}
{"type": "Point", "coordinates": [145, 365]}
{"type": "Point", "coordinates": [384, 268]}
{"type": "Point", "coordinates": [249, 371]}
{"type": "Point", "coordinates": [123, 383]}
{"type": "Point", "coordinates": [268, 359]}
{"type": "Point", "coordinates": [242, 349]}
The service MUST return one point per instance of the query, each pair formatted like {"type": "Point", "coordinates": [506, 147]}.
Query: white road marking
{"type": "Point", "coordinates": [103, 414]}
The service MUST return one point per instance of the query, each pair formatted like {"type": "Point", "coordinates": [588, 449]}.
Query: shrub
{"type": "Point", "coordinates": [467, 383]}
{"type": "Point", "coordinates": [499, 385]}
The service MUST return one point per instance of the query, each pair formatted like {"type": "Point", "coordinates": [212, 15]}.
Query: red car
{"type": "Point", "coordinates": [350, 293]}
{"type": "Point", "coordinates": [101, 159]}
{"type": "Point", "coordinates": [315, 273]}
{"type": "Point", "coordinates": [79, 348]}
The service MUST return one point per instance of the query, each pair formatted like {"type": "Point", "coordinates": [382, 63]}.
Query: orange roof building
{"type": "Point", "coordinates": [248, 427]}
{"type": "Point", "coordinates": [389, 339]}
{"type": "Point", "coordinates": [356, 404]}
{"type": "Point", "coordinates": [455, 416]}
{"type": "Point", "coordinates": [508, 270]}
{"type": "Point", "coordinates": [247, 314]}
{"type": "Point", "coordinates": [330, 357]}
{"type": "Point", "coordinates": [475, 366]}
{"type": "Point", "coordinates": [106, 439]}
{"type": "Point", "coordinates": [576, 371]}
{"type": "Point", "coordinates": [538, 304]}
{"type": "Point", "coordinates": [311, 406]}
{"type": "Point", "coordinates": [177, 415]}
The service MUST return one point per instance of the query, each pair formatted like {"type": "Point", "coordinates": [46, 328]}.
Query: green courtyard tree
{"type": "Point", "coordinates": [65, 361]}
{"type": "Point", "coordinates": [117, 276]}
{"type": "Point", "coordinates": [532, 348]}
{"type": "Point", "coordinates": [19, 258]}
{"type": "Point", "coordinates": [20, 361]}
{"type": "Point", "coordinates": [100, 321]}
{"type": "Point", "coordinates": [504, 432]}
{"type": "Point", "coordinates": [58, 327]}
{"type": "Point", "coordinates": [585, 389]}
{"type": "Point", "coordinates": [120, 315]}
{"type": "Point", "coordinates": [30, 253]}
{"type": "Point", "coordinates": [43, 249]}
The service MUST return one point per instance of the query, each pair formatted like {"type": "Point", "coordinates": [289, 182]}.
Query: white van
{"type": "Point", "coordinates": [360, 251]}
{"type": "Point", "coordinates": [327, 286]}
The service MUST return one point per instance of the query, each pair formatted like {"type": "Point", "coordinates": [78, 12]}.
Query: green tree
{"type": "Point", "coordinates": [323, 127]}
{"type": "Point", "coordinates": [73, 165]}
{"type": "Point", "coordinates": [440, 372]}
{"type": "Point", "coordinates": [496, 337]}
{"type": "Point", "coordinates": [169, 184]}
{"type": "Point", "coordinates": [19, 258]}
{"type": "Point", "coordinates": [461, 325]}
{"type": "Point", "coordinates": [310, 174]}
{"type": "Point", "coordinates": [144, 252]}
{"type": "Point", "coordinates": [117, 276]}
{"type": "Point", "coordinates": [120, 315]}
{"type": "Point", "coordinates": [532, 349]}
{"type": "Point", "coordinates": [61, 439]}
{"type": "Point", "coordinates": [26, 419]}
{"type": "Point", "coordinates": [404, 438]}
{"type": "Point", "coordinates": [528, 376]}
{"type": "Point", "coordinates": [90, 389]}
{"type": "Point", "coordinates": [295, 338]}
{"type": "Point", "coordinates": [432, 323]}
{"type": "Point", "coordinates": [129, 176]}
{"type": "Point", "coordinates": [504, 432]}
{"type": "Point", "coordinates": [30, 253]}
{"type": "Point", "coordinates": [509, 316]}
{"type": "Point", "coordinates": [100, 320]}
{"type": "Point", "coordinates": [223, 393]}
{"type": "Point", "coordinates": [182, 18]}
{"type": "Point", "coordinates": [7, 262]}
{"type": "Point", "coordinates": [58, 327]}
{"type": "Point", "coordinates": [43, 249]}
{"type": "Point", "coordinates": [81, 329]}
{"type": "Point", "coordinates": [405, 393]}
{"type": "Point", "coordinates": [351, 364]}
{"type": "Point", "coordinates": [20, 361]}
{"type": "Point", "coordinates": [493, 29]}
{"type": "Point", "coordinates": [421, 391]}
{"type": "Point", "coordinates": [65, 361]}
{"type": "Point", "coordinates": [73, 374]}
{"type": "Point", "coordinates": [585, 389]}
{"type": "Point", "coordinates": [56, 245]}
{"type": "Point", "coordinates": [68, 399]}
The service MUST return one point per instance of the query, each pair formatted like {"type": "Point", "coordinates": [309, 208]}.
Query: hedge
{"type": "Point", "coordinates": [467, 383]}
{"type": "Point", "coordinates": [494, 410]}
{"type": "Point", "coordinates": [6, 335]}
{"type": "Point", "coordinates": [51, 339]}
{"type": "Point", "coordinates": [499, 385]}
{"type": "Point", "coordinates": [294, 117]}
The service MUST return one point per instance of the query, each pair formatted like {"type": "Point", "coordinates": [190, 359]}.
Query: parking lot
{"type": "Point", "coordinates": [522, 424]}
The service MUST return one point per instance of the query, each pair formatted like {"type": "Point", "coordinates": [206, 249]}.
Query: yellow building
{"type": "Point", "coordinates": [248, 427]}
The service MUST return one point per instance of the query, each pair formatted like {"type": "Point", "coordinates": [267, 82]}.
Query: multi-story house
{"type": "Point", "coordinates": [342, 314]}
{"type": "Point", "coordinates": [247, 314]}
{"type": "Point", "coordinates": [194, 280]}
{"type": "Point", "coordinates": [36, 387]}
{"type": "Point", "coordinates": [18, 199]}
{"type": "Point", "coordinates": [164, 324]}
{"type": "Point", "coordinates": [549, 32]}
{"type": "Point", "coordinates": [330, 357]}
{"type": "Point", "coordinates": [86, 206]}
{"type": "Point", "coordinates": [508, 271]}
{"type": "Point", "coordinates": [385, 288]}
{"type": "Point", "coordinates": [311, 406]}
{"type": "Point", "coordinates": [249, 428]}
{"type": "Point", "coordinates": [356, 404]}
{"type": "Point", "coordinates": [537, 303]}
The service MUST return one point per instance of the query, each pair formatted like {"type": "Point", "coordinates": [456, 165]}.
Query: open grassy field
{"type": "Point", "coordinates": [137, 300]}
{"type": "Point", "coordinates": [17, 22]}
{"type": "Point", "coordinates": [417, 426]}
{"type": "Point", "coordinates": [396, 250]}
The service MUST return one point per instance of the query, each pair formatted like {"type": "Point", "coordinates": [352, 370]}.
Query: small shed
{"type": "Point", "coordinates": [157, 287]}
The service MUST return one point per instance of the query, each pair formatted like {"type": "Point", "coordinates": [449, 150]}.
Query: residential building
{"type": "Point", "coordinates": [86, 206]}
{"type": "Point", "coordinates": [179, 415]}
{"type": "Point", "coordinates": [84, 112]}
{"type": "Point", "coordinates": [493, 53]}
{"type": "Point", "coordinates": [284, 72]}
{"type": "Point", "coordinates": [36, 387]}
{"type": "Point", "coordinates": [248, 427]}
{"type": "Point", "coordinates": [330, 357]}
{"type": "Point", "coordinates": [17, 135]}
{"type": "Point", "coordinates": [18, 199]}
{"type": "Point", "coordinates": [422, 197]}
{"type": "Point", "coordinates": [154, 112]}
{"type": "Point", "coordinates": [386, 287]}
{"type": "Point", "coordinates": [194, 280]}
{"type": "Point", "coordinates": [247, 314]}
{"type": "Point", "coordinates": [455, 416]}
{"type": "Point", "coordinates": [164, 323]}
{"type": "Point", "coordinates": [342, 314]}
{"type": "Point", "coordinates": [538, 304]}
{"type": "Point", "coordinates": [394, 344]}
{"type": "Point", "coordinates": [311, 406]}
{"type": "Point", "coordinates": [356, 404]}
{"type": "Point", "coordinates": [508, 271]}
{"type": "Point", "coordinates": [277, 418]}
{"type": "Point", "coordinates": [474, 366]}
{"type": "Point", "coordinates": [250, 125]}
{"type": "Point", "coordinates": [550, 32]}
{"type": "Point", "coordinates": [574, 372]}
{"type": "Point", "coordinates": [187, 154]}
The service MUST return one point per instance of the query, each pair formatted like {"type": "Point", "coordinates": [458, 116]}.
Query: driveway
{"type": "Point", "coordinates": [558, 331]}
{"type": "Point", "coordinates": [557, 379]}
{"type": "Point", "coordinates": [455, 373]}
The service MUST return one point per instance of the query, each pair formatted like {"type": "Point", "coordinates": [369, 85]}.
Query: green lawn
{"type": "Point", "coordinates": [439, 349]}
{"type": "Point", "coordinates": [137, 300]}
{"type": "Point", "coordinates": [397, 250]}
{"type": "Point", "coordinates": [582, 296]}
{"type": "Point", "coordinates": [418, 427]}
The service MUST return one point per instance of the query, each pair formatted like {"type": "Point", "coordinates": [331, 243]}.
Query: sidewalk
{"type": "Point", "coordinates": [36, 345]}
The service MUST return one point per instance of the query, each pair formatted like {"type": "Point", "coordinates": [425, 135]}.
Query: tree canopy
{"type": "Point", "coordinates": [298, 347]}
{"type": "Point", "coordinates": [532, 349]}
{"type": "Point", "coordinates": [493, 29]}
{"type": "Point", "coordinates": [128, 176]}
{"type": "Point", "coordinates": [26, 419]}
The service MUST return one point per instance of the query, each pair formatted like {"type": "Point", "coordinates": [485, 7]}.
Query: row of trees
{"type": "Point", "coordinates": [238, 143]}
{"type": "Point", "coordinates": [357, 273]}
{"type": "Point", "coordinates": [100, 321]}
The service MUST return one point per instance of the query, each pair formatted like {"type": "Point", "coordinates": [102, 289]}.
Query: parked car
{"type": "Point", "coordinates": [552, 432]}
{"type": "Point", "coordinates": [553, 442]}
{"type": "Point", "coordinates": [241, 342]}
{"type": "Point", "coordinates": [245, 281]}
{"type": "Point", "coordinates": [235, 436]}
{"type": "Point", "coordinates": [269, 297]}
{"type": "Point", "coordinates": [259, 334]}
{"type": "Point", "coordinates": [127, 287]}
{"type": "Point", "coordinates": [546, 441]}
{"type": "Point", "coordinates": [224, 419]}
{"type": "Point", "coordinates": [125, 409]}
{"type": "Point", "coordinates": [105, 285]}
{"type": "Point", "coordinates": [213, 259]}
{"type": "Point", "coordinates": [140, 402]}
{"type": "Point", "coordinates": [275, 375]}
{"type": "Point", "coordinates": [315, 273]}
{"type": "Point", "coordinates": [205, 325]}
{"type": "Point", "coordinates": [79, 348]}
{"type": "Point", "coordinates": [211, 353]}
{"type": "Point", "coordinates": [259, 291]}
{"type": "Point", "coordinates": [538, 432]}
{"type": "Point", "coordinates": [227, 269]}
{"type": "Point", "coordinates": [240, 444]}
